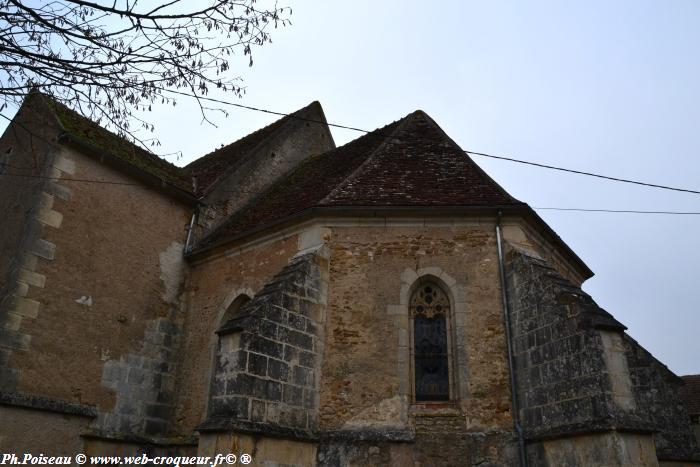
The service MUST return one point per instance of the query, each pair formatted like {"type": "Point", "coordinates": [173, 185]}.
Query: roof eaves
{"type": "Point", "coordinates": [131, 153]}
{"type": "Point", "coordinates": [517, 208]}
{"type": "Point", "coordinates": [348, 211]}
{"type": "Point", "coordinates": [132, 170]}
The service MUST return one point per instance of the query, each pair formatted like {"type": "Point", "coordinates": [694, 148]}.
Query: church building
{"type": "Point", "coordinates": [381, 303]}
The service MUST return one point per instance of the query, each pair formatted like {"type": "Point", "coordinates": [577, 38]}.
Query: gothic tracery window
{"type": "Point", "coordinates": [430, 311]}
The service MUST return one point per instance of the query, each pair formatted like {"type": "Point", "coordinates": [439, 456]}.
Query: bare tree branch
{"type": "Point", "coordinates": [110, 58]}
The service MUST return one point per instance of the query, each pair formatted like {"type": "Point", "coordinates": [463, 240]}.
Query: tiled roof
{"type": "Point", "coordinates": [691, 393]}
{"type": "Point", "coordinates": [89, 132]}
{"type": "Point", "coordinates": [409, 163]}
{"type": "Point", "coordinates": [208, 169]}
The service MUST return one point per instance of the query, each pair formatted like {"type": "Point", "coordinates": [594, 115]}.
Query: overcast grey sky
{"type": "Point", "coordinates": [607, 87]}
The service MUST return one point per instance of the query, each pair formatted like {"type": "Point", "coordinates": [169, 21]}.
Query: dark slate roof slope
{"type": "Point", "coordinates": [419, 166]}
{"type": "Point", "coordinates": [210, 168]}
{"type": "Point", "coordinates": [410, 162]}
{"type": "Point", "coordinates": [691, 394]}
{"type": "Point", "coordinates": [305, 187]}
{"type": "Point", "coordinates": [85, 131]}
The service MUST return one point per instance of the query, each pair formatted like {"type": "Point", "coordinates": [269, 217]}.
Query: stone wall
{"type": "Point", "coordinates": [578, 373]}
{"type": "Point", "coordinates": [269, 356]}
{"type": "Point", "coordinates": [214, 283]}
{"type": "Point", "coordinates": [144, 383]}
{"type": "Point", "coordinates": [596, 449]}
{"type": "Point", "coordinates": [265, 451]}
{"type": "Point", "coordinates": [102, 286]}
{"type": "Point", "coordinates": [271, 159]}
{"type": "Point", "coordinates": [27, 153]}
{"type": "Point", "coordinates": [42, 431]}
{"type": "Point", "coordinates": [657, 395]}
{"type": "Point", "coordinates": [367, 391]}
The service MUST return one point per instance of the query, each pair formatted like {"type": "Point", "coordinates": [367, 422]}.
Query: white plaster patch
{"type": "Point", "coordinates": [85, 300]}
{"type": "Point", "coordinates": [64, 163]}
{"type": "Point", "coordinates": [172, 271]}
{"type": "Point", "coordinates": [313, 236]}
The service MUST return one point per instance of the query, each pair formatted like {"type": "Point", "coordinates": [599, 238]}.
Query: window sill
{"type": "Point", "coordinates": [433, 409]}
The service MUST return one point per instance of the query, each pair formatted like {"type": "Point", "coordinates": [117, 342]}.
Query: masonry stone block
{"type": "Point", "coordinates": [12, 321]}
{"type": "Point", "coordinates": [302, 376]}
{"type": "Point", "coordinates": [278, 370]}
{"type": "Point", "coordinates": [291, 353]}
{"type": "Point", "coordinates": [293, 395]}
{"type": "Point", "coordinates": [50, 217]}
{"type": "Point", "coordinates": [273, 390]}
{"type": "Point", "coordinates": [265, 346]}
{"type": "Point", "coordinates": [576, 369]}
{"type": "Point", "coordinates": [29, 262]}
{"type": "Point", "coordinates": [14, 339]}
{"type": "Point", "coordinates": [25, 307]}
{"type": "Point", "coordinates": [257, 364]}
{"type": "Point", "coordinates": [277, 333]}
{"type": "Point", "coordinates": [21, 289]}
{"type": "Point", "coordinates": [43, 249]}
{"type": "Point", "coordinates": [8, 376]}
{"type": "Point", "coordinates": [258, 410]}
{"type": "Point", "coordinates": [32, 278]}
{"type": "Point", "coordinates": [307, 359]}
{"type": "Point", "coordinates": [59, 191]}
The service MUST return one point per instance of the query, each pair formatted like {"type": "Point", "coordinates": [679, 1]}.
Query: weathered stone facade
{"type": "Point", "coordinates": [268, 310]}
{"type": "Point", "coordinates": [579, 373]}
{"type": "Point", "coordinates": [269, 355]}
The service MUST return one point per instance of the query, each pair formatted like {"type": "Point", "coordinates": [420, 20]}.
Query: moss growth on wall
{"type": "Point", "coordinates": [92, 134]}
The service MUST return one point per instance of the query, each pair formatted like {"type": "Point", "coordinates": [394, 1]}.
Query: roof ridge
{"type": "Point", "coordinates": [355, 173]}
{"type": "Point", "coordinates": [435, 125]}
{"type": "Point", "coordinates": [258, 131]}
{"type": "Point", "coordinates": [281, 123]}
{"type": "Point", "coordinates": [231, 218]}
{"type": "Point", "coordinates": [46, 100]}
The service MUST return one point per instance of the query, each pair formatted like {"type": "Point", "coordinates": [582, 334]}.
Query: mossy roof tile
{"type": "Point", "coordinates": [691, 393]}
{"type": "Point", "coordinates": [209, 168]}
{"type": "Point", "coordinates": [88, 132]}
{"type": "Point", "coordinates": [408, 163]}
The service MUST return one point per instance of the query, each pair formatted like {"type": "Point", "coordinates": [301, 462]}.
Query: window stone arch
{"type": "Point", "coordinates": [233, 302]}
{"type": "Point", "coordinates": [457, 319]}
{"type": "Point", "coordinates": [233, 310]}
{"type": "Point", "coordinates": [429, 312]}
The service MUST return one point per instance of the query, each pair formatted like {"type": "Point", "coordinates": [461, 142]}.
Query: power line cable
{"type": "Point", "coordinates": [590, 174]}
{"type": "Point", "coordinates": [623, 211]}
{"type": "Point", "coordinates": [535, 164]}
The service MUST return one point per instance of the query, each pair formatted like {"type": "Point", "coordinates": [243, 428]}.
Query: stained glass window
{"type": "Point", "coordinates": [429, 310]}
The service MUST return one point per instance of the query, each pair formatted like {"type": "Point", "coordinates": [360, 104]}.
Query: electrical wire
{"type": "Point", "coordinates": [535, 164]}
{"type": "Point", "coordinates": [622, 211]}
{"type": "Point", "coordinates": [482, 154]}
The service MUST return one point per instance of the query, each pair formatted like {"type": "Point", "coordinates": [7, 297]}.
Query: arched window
{"type": "Point", "coordinates": [228, 320]}
{"type": "Point", "coordinates": [225, 354]}
{"type": "Point", "coordinates": [233, 308]}
{"type": "Point", "coordinates": [430, 311]}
